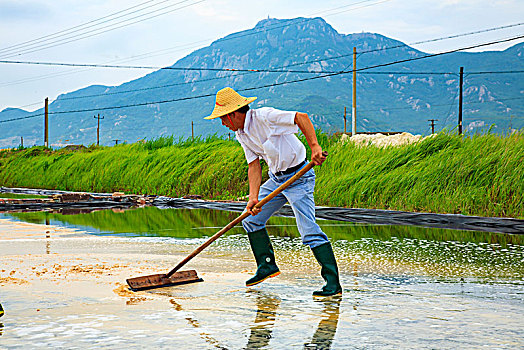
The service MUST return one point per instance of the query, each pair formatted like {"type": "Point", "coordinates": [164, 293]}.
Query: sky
{"type": "Point", "coordinates": [167, 30]}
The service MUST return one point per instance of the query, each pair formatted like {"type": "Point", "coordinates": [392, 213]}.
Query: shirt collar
{"type": "Point", "coordinates": [247, 122]}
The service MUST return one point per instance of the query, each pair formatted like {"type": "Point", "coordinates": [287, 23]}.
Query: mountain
{"type": "Point", "coordinates": [400, 97]}
{"type": "Point", "coordinates": [12, 132]}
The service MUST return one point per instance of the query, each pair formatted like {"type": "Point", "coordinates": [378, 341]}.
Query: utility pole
{"type": "Point", "coordinates": [344, 120]}
{"type": "Point", "coordinates": [460, 100]}
{"type": "Point", "coordinates": [511, 122]}
{"type": "Point", "coordinates": [21, 141]}
{"type": "Point", "coordinates": [354, 109]}
{"type": "Point", "coordinates": [192, 131]}
{"type": "Point", "coordinates": [98, 129]}
{"type": "Point", "coordinates": [46, 124]}
{"type": "Point", "coordinates": [432, 125]}
{"type": "Point", "coordinates": [116, 141]}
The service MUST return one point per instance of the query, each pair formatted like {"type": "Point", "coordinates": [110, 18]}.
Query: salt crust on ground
{"type": "Point", "coordinates": [381, 140]}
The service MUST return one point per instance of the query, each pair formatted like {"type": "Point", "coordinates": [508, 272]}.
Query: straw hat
{"type": "Point", "coordinates": [227, 101]}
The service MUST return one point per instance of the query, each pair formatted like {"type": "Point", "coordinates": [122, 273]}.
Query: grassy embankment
{"type": "Point", "coordinates": [476, 175]}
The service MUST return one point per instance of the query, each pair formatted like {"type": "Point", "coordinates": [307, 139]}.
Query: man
{"type": "Point", "coordinates": [269, 134]}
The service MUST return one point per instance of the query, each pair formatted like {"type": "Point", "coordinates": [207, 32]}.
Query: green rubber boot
{"type": "Point", "coordinates": [324, 255]}
{"type": "Point", "coordinates": [264, 256]}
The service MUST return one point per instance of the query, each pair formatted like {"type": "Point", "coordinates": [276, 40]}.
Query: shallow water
{"type": "Point", "coordinates": [404, 287]}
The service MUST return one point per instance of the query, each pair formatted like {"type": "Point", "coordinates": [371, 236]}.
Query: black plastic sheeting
{"type": "Point", "coordinates": [93, 205]}
{"type": "Point", "coordinates": [41, 192]}
{"type": "Point", "coordinates": [356, 215]}
{"type": "Point", "coordinates": [370, 216]}
{"type": "Point", "coordinates": [103, 201]}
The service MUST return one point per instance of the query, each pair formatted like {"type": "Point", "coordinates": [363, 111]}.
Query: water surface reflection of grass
{"type": "Point", "coordinates": [383, 249]}
{"type": "Point", "coordinates": [192, 223]}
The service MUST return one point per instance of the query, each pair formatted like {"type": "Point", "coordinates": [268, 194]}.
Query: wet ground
{"type": "Point", "coordinates": [62, 285]}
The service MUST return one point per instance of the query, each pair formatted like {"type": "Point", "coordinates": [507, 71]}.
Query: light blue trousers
{"type": "Point", "coordinates": [300, 197]}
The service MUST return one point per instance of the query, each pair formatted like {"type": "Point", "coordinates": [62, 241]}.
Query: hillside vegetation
{"type": "Point", "coordinates": [475, 175]}
{"type": "Point", "coordinates": [399, 97]}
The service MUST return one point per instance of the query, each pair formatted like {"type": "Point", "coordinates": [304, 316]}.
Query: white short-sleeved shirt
{"type": "Point", "coordinates": [269, 134]}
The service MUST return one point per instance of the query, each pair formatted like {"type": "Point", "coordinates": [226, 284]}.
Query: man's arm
{"type": "Point", "coordinates": [254, 175]}
{"type": "Point", "coordinates": [305, 125]}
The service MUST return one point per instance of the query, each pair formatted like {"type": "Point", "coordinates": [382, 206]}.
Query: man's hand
{"type": "Point", "coordinates": [304, 124]}
{"type": "Point", "coordinates": [250, 207]}
{"type": "Point", "coordinates": [317, 156]}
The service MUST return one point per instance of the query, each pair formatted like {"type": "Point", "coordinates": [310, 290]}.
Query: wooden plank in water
{"type": "Point", "coordinates": [160, 280]}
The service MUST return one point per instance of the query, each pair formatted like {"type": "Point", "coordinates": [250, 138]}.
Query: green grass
{"type": "Point", "coordinates": [213, 167]}
{"type": "Point", "coordinates": [474, 175]}
{"type": "Point", "coordinates": [477, 175]}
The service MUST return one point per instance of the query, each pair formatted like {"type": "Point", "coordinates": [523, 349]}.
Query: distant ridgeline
{"type": "Point", "coordinates": [399, 97]}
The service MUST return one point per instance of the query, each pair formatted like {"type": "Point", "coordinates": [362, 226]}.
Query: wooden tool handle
{"type": "Point", "coordinates": [241, 217]}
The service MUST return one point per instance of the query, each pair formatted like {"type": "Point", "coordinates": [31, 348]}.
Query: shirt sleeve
{"type": "Point", "coordinates": [281, 122]}
{"type": "Point", "coordinates": [250, 155]}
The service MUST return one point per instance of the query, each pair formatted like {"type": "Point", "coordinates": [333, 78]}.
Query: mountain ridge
{"type": "Point", "coordinates": [394, 102]}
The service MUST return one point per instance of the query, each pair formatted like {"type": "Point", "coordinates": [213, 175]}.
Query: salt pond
{"type": "Point", "coordinates": [62, 281]}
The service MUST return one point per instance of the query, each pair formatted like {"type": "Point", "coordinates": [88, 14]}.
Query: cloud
{"type": "Point", "coordinates": [22, 10]}
{"type": "Point", "coordinates": [214, 12]}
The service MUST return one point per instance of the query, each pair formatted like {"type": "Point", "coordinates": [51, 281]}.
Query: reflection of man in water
{"type": "Point", "coordinates": [267, 306]}
{"type": "Point", "coordinates": [323, 337]}
{"type": "Point", "coordinates": [269, 134]}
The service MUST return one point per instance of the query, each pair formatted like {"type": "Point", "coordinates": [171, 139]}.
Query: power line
{"type": "Point", "coordinates": [300, 63]}
{"type": "Point", "coordinates": [74, 71]}
{"type": "Point", "coordinates": [293, 22]}
{"type": "Point", "coordinates": [148, 88]}
{"type": "Point", "coordinates": [440, 53]}
{"type": "Point", "coordinates": [271, 85]}
{"type": "Point", "coordinates": [353, 4]}
{"type": "Point", "coordinates": [224, 77]}
{"type": "Point", "coordinates": [251, 33]}
{"type": "Point", "coordinates": [420, 42]}
{"type": "Point", "coordinates": [209, 95]}
{"type": "Point", "coordinates": [234, 37]}
{"type": "Point", "coordinates": [341, 56]}
{"type": "Point", "coordinates": [27, 105]}
{"type": "Point", "coordinates": [58, 41]}
{"type": "Point", "coordinates": [75, 28]}
{"type": "Point", "coordinates": [445, 73]}
{"type": "Point", "coordinates": [254, 71]}
{"type": "Point", "coordinates": [197, 42]}
{"type": "Point", "coordinates": [277, 84]}
{"type": "Point", "coordinates": [94, 65]}
{"type": "Point", "coordinates": [496, 72]}
{"type": "Point", "coordinates": [78, 37]}
{"type": "Point", "coordinates": [440, 105]}
{"type": "Point", "coordinates": [91, 23]}
{"type": "Point", "coordinates": [449, 37]}
{"type": "Point", "coordinates": [218, 78]}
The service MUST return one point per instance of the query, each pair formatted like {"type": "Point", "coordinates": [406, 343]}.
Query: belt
{"type": "Point", "coordinates": [291, 170]}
